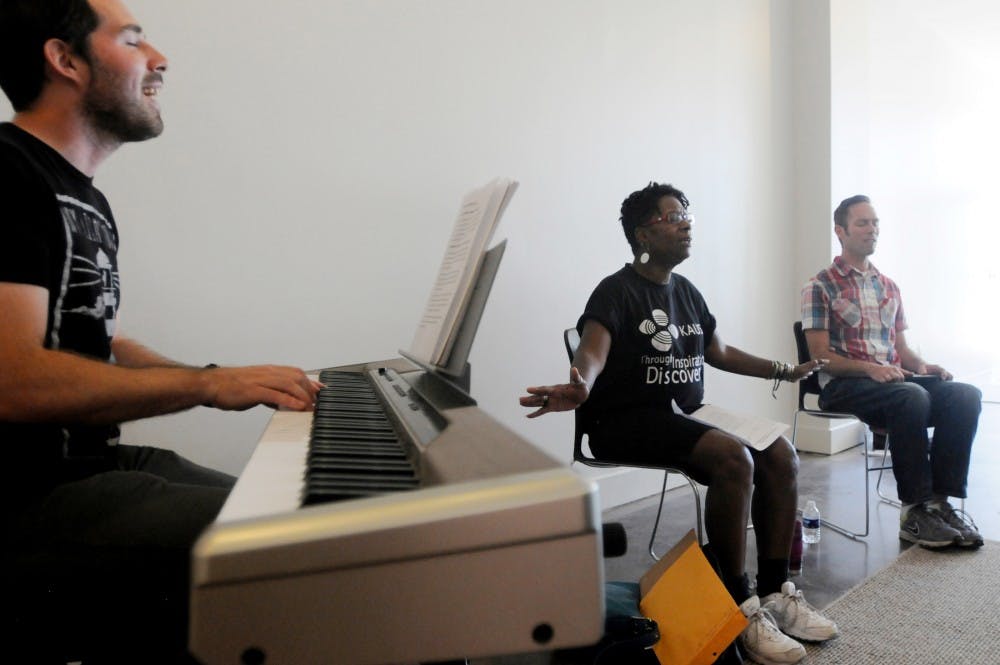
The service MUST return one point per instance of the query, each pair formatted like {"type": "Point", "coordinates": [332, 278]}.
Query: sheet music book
{"type": "Point", "coordinates": [757, 431]}
{"type": "Point", "coordinates": [460, 272]}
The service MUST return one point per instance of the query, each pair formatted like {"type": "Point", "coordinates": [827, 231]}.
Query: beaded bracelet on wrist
{"type": "Point", "coordinates": [781, 371]}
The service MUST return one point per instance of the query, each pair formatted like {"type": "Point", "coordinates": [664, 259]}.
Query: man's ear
{"type": "Point", "coordinates": [839, 231]}
{"type": "Point", "coordinates": [61, 61]}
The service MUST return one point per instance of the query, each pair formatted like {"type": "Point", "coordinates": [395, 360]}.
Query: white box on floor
{"type": "Point", "coordinates": [828, 436]}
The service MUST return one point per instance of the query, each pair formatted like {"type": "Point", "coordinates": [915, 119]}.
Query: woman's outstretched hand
{"type": "Point", "coordinates": [806, 369]}
{"type": "Point", "coordinates": [562, 397]}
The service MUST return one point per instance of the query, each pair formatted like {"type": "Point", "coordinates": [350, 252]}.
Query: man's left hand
{"type": "Point", "coordinates": [937, 370]}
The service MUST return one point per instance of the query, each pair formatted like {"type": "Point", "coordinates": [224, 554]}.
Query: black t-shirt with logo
{"type": "Point", "coordinates": [658, 337]}
{"type": "Point", "coordinates": [58, 233]}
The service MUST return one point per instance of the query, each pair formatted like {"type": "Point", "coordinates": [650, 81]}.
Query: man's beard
{"type": "Point", "coordinates": [114, 114]}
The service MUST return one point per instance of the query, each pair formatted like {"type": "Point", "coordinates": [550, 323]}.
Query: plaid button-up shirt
{"type": "Point", "coordinates": [862, 311]}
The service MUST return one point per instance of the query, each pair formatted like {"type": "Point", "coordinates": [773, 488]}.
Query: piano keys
{"type": "Point", "coordinates": [353, 448]}
{"type": "Point", "coordinates": [414, 527]}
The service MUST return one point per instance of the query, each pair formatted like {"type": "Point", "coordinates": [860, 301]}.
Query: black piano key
{"type": "Point", "coordinates": [349, 434]}
{"type": "Point", "coordinates": [357, 450]}
{"type": "Point", "coordinates": [328, 396]}
{"type": "Point", "coordinates": [317, 496]}
{"type": "Point", "coordinates": [346, 465]}
{"type": "Point", "coordinates": [333, 482]}
{"type": "Point", "coordinates": [341, 416]}
{"type": "Point", "coordinates": [362, 436]}
{"type": "Point", "coordinates": [373, 438]}
{"type": "Point", "coordinates": [338, 488]}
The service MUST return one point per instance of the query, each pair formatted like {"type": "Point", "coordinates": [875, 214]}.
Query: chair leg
{"type": "Point", "coordinates": [854, 535]}
{"type": "Point", "coordinates": [882, 468]}
{"type": "Point", "coordinates": [697, 509]}
{"type": "Point", "coordinates": [882, 497]}
{"type": "Point", "coordinates": [659, 511]}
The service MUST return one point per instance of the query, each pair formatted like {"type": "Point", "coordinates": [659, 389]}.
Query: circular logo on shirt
{"type": "Point", "coordinates": [659, 327]}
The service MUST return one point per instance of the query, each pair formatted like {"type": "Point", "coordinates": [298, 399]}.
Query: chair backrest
{"type": "Point", "coordinates": [571, 338]}
{"type": "Point", "coordinates": [810, 385]}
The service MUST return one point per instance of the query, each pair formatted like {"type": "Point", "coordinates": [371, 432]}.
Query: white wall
{"type": "Point", "coordinates": [940, 213]}
{"type": "Point", "coordinates": [296, 208]}
{"type": "Point", "coordinates": [917, 102]}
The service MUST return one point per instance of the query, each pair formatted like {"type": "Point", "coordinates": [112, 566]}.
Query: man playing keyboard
{"type": "Point", "coordinates": [102, 531]}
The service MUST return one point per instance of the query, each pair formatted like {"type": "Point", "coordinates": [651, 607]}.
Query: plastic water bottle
{"type": "Point", "coordinates": [810, 523]}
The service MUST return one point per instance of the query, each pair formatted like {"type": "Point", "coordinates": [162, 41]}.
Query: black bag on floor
{"type": "Point", "coordinates": [628, 636]}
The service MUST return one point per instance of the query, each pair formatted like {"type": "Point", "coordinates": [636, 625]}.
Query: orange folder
{"type": "Point", "coordinates": [696, 616]}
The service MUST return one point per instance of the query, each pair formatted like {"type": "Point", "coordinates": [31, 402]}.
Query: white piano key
{"type": "Point", "coordinates": [271, 482]}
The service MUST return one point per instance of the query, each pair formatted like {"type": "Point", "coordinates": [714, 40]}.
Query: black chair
{"type": "Point", "coordinates": [810, 386]}
{"type": "Point", "coordinates": [572, 340]}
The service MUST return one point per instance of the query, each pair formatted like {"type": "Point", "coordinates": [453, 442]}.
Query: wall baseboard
{"type": "Point", "coordinates": [624, 485]}
{"type": "Point", "coordinates": [828, 436]}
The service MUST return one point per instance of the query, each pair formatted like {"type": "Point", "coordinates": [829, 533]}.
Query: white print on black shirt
{"type": "Point", "coordinates": [91, 286]}
{"type": "Point", "coordinates": [89, 274]}
{"type": "Point", "coordinates": [667, 369]}
{"type": "Point", "coordinates": [664, 333]}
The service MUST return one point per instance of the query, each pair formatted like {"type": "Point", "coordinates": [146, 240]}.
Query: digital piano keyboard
{"type": "Point", "coordinates": [398, 523]}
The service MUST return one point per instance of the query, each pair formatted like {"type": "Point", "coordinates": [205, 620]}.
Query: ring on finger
{"type": "Point", "coordinates": [545, 401]}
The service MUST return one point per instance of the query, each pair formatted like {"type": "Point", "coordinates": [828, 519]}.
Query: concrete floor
{"type": "Point", "coordinates": [834, 565]}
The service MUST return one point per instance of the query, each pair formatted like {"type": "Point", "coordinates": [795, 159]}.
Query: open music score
{"type": "Point", "coordinates": [462, 265]}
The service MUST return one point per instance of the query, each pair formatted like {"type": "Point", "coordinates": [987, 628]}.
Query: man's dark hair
{"type": "Point", "coordinates": [641, 206]}
{"type": "Point", "coordinates": [840, 214]}
{"type": "Point", "coordinates": [25, 26]}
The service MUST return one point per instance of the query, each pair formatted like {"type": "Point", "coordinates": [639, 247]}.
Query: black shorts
{"type": "Point", "coordinates": [654, 436]}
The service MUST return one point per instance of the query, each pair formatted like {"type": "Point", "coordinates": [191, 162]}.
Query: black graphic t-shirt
{"type": "Point", "coordinates": [58, 233]}
{"type": "Point", "coordinates": [658, 338]}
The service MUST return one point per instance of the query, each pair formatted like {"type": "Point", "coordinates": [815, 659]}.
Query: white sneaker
{"type": "Point", "coordinates": [762, 640]}
{"type": "Point", "coordinates": [798, 618]}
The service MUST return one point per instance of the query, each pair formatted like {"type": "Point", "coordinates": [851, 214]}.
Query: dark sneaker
{"type": "Point", "coordinates": [961, 522]}
{"type": "Point", "coordinates": [927, 529]}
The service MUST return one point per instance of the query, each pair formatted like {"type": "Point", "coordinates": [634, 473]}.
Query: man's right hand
{"type": "Point", "coordinates": [239, 388]}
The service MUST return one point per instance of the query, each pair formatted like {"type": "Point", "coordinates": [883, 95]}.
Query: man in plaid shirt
{"type": "Point", "coordinates": [853, 318]}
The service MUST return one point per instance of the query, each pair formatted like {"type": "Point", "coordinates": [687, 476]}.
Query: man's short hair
{"type": "Point", "coordinates": [643, 205]}
{"type": "Point", "coordinates": [840, 214]}
{"type": "Point", "coordinates": [25, 26]}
